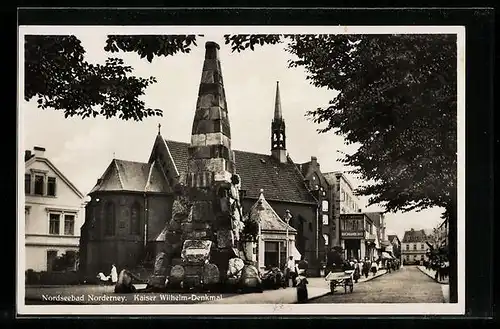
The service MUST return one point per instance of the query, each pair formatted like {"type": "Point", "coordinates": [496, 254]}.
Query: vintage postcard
{"type": "Point", "coordinates": [284, 170]}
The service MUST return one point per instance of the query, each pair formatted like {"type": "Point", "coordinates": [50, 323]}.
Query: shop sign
{"type": "Point", "coordinates": [352, 234]}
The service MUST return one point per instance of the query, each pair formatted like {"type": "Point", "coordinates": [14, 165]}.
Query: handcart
{"type": "Point", "coordinates": [344, 278]}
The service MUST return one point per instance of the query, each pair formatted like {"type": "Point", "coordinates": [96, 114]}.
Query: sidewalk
{"type": "Point", "coordinates": [317, 287]}
{"type": "Point", "coordinates": [445, 287]}
{"type": "Point", "coordinates": [432, 274]}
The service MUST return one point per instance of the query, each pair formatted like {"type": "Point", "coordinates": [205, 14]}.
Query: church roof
{"type": "Point", "coordinates": [123, 175]}
{"type": "Point", "coordinates": [269, 220]}
{"type": "Point", "coordinates": [414, 236]}
{"type": "Point", "coordinates": [280, 181]}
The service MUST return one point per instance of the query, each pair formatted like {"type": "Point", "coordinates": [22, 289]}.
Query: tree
{"type": "Point", "coordinates": [58, 77]}
{"type": "Point", "coordinates": [398, 100]}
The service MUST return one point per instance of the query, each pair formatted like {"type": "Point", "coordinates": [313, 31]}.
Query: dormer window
{"type": "Point", "coordinates": [38, 184]}
{"type": "Point", "coordinates": [51, 186]}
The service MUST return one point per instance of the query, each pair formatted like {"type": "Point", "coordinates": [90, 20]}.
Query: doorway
{"type": "Point", "coordinates": [353, 249]}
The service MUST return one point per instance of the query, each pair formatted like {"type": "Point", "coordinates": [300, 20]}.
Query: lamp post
{"type": "Point", "coordinates": [287, 218]}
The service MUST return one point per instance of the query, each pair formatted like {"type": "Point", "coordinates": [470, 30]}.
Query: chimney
{"type": "Point", "coordinates": [39, 151]}
{"type": "Point", "coordinates": [27, 155]}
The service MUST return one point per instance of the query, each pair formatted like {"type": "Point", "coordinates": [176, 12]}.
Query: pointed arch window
{"type": "Point", "coordinates": [109, 225]}
{"type": "Point", "coordinates": [135, 219]}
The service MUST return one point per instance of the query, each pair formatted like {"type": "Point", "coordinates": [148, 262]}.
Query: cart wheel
{"type": "Point", "coordinates": [332, 287]}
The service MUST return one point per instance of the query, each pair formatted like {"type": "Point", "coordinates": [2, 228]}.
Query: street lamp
{"type": "Point", "coordinates": [287, 218]}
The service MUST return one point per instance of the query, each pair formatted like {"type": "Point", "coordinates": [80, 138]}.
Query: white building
{"type": "Point", "coordinates": [54, 212]}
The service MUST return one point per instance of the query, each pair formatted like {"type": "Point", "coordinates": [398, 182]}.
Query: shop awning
{"type": "Point", "coordinates": [386, 255]}
{"type": "Point", "coordinates": [295, 253]}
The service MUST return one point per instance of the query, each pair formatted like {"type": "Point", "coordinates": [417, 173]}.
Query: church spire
{"type": "Point", "coordinates": [278, 136]}
{"type": "Point", "coordinates": [277, 103]}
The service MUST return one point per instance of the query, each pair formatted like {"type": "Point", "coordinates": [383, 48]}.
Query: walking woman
{"type": "Point", "coordinates": [302, 295]}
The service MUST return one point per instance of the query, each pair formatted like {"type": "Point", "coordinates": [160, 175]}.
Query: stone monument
{"type": "Point", "coordinates": [204, 233]}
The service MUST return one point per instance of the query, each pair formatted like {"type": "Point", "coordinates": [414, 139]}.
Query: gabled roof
{"type": "Point", "coordinates": [59, 174]}
{"type": "Point", "coordinates": [414, 236]}
{"type": "Point", "coordinates": [375, 217]}
{"type": "Point", "coordinates": [391, 237]}
{"type": "Point", "coordinates": [122, 175]}
{"type": "Point", "coordinates": [331, 179]}
{"type": "Point", "coordinates": [280, 181]}
{"type": "Point", "coordinates": [269, 220]}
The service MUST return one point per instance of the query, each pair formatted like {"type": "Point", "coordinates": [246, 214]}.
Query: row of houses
{"type": "Point", "coordinates": [55, 215]}
{"type": "Point", "coordinates": [416, 244]}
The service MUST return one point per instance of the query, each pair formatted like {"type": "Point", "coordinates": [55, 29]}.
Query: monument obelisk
{"type": "Point", "coordinates": [210, 233]}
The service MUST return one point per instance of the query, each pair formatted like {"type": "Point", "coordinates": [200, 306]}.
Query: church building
{"type": "Point", "coordinates": [131, 202]}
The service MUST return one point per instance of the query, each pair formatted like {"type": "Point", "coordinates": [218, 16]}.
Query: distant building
{"type": "Point", "coordinates": [54, 212]}
{"type": "Point", "coordinates": [414, 246]}
{"type": "Point", "coordinates": [396, 245]}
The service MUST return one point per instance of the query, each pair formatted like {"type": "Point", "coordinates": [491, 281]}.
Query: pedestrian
{"type": "Point", "coordinates": [374, 268]}
{"type": "Point", "coordinates": [302, 295]}
{"type": "Point", "coordinates": [388, 266]}
{"type": "Point", "coordinates": [366, 267]}
{"type": "Point", "coordinates": [114, 274]}
{"type": "Point", "coordinates": [356, 271]}
{"type": "Point", "coordinates": [303, 265]}
{"type": "Point", "coordinates": [290, 272]}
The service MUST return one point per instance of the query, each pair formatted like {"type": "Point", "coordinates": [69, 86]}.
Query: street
{"type": "Point", "coordinates": [407, 285]}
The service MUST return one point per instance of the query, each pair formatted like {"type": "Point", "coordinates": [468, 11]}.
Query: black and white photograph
{"type": "Point", "coordinates": [253, 166]}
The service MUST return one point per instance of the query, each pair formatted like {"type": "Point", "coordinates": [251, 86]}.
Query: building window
{"type": "Point", "coordinates": [27, 183]}
{"type": "Point", "coordinates": [38, 185]}
{"type": "Point", "coordinates": [51, 186]}
{"type": "Point", "coordinates": [271, 253]}
{"type": "Point", "coordinates": [422, 246]}
{"type": "Point", "coordinates": [109, 225]}
{"type": "Point", "coordinates": [69, 224]}
{"type": "Point", "coordinates": [326, 219]}
{"type": "Point", "coordinates": [414, 247]}
{"type": "Point", "coordinates": [327, 239]}
{"type": "Point", "coordinates": [54, 223]}
{"type": "Point", "coordinates": [407, 247]}
{"type": "Point", "coordinates": [324, 205]}
{"type": "Point", "coordinates": [51, 257]}
{"type": "Point", "coordinates": [135, 222]}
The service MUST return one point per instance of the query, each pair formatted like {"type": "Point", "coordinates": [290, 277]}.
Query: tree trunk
{"type": "Point", "coordinates": [452, 249]}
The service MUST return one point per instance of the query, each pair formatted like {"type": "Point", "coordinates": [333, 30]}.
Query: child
{"type": "Point", "coordinates": [302, 287]}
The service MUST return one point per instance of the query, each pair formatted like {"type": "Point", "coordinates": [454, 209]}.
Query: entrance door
{"type": "Point", "coordinates": [353, 249]}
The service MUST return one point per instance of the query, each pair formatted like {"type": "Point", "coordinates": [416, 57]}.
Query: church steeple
{"type": "Point", "coordinates": [277, 103]}
{"type": "Point", "coordinates": [278, 135]}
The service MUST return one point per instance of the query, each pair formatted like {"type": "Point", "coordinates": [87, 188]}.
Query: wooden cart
{"type": "Point", "coordinates": [344, 279]}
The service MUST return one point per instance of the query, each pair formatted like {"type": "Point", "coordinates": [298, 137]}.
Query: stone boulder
{"type": "Point", "coordinates": [250, 278]}
{"type": "Point", "coordinates": [124, 284]}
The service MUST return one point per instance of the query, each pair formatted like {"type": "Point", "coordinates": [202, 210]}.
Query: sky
{"type": "Point", "coordinates": [83, 148]}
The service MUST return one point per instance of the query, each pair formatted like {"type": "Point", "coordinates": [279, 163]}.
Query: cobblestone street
{"type": "Point", "coordinates": [407, 285]}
